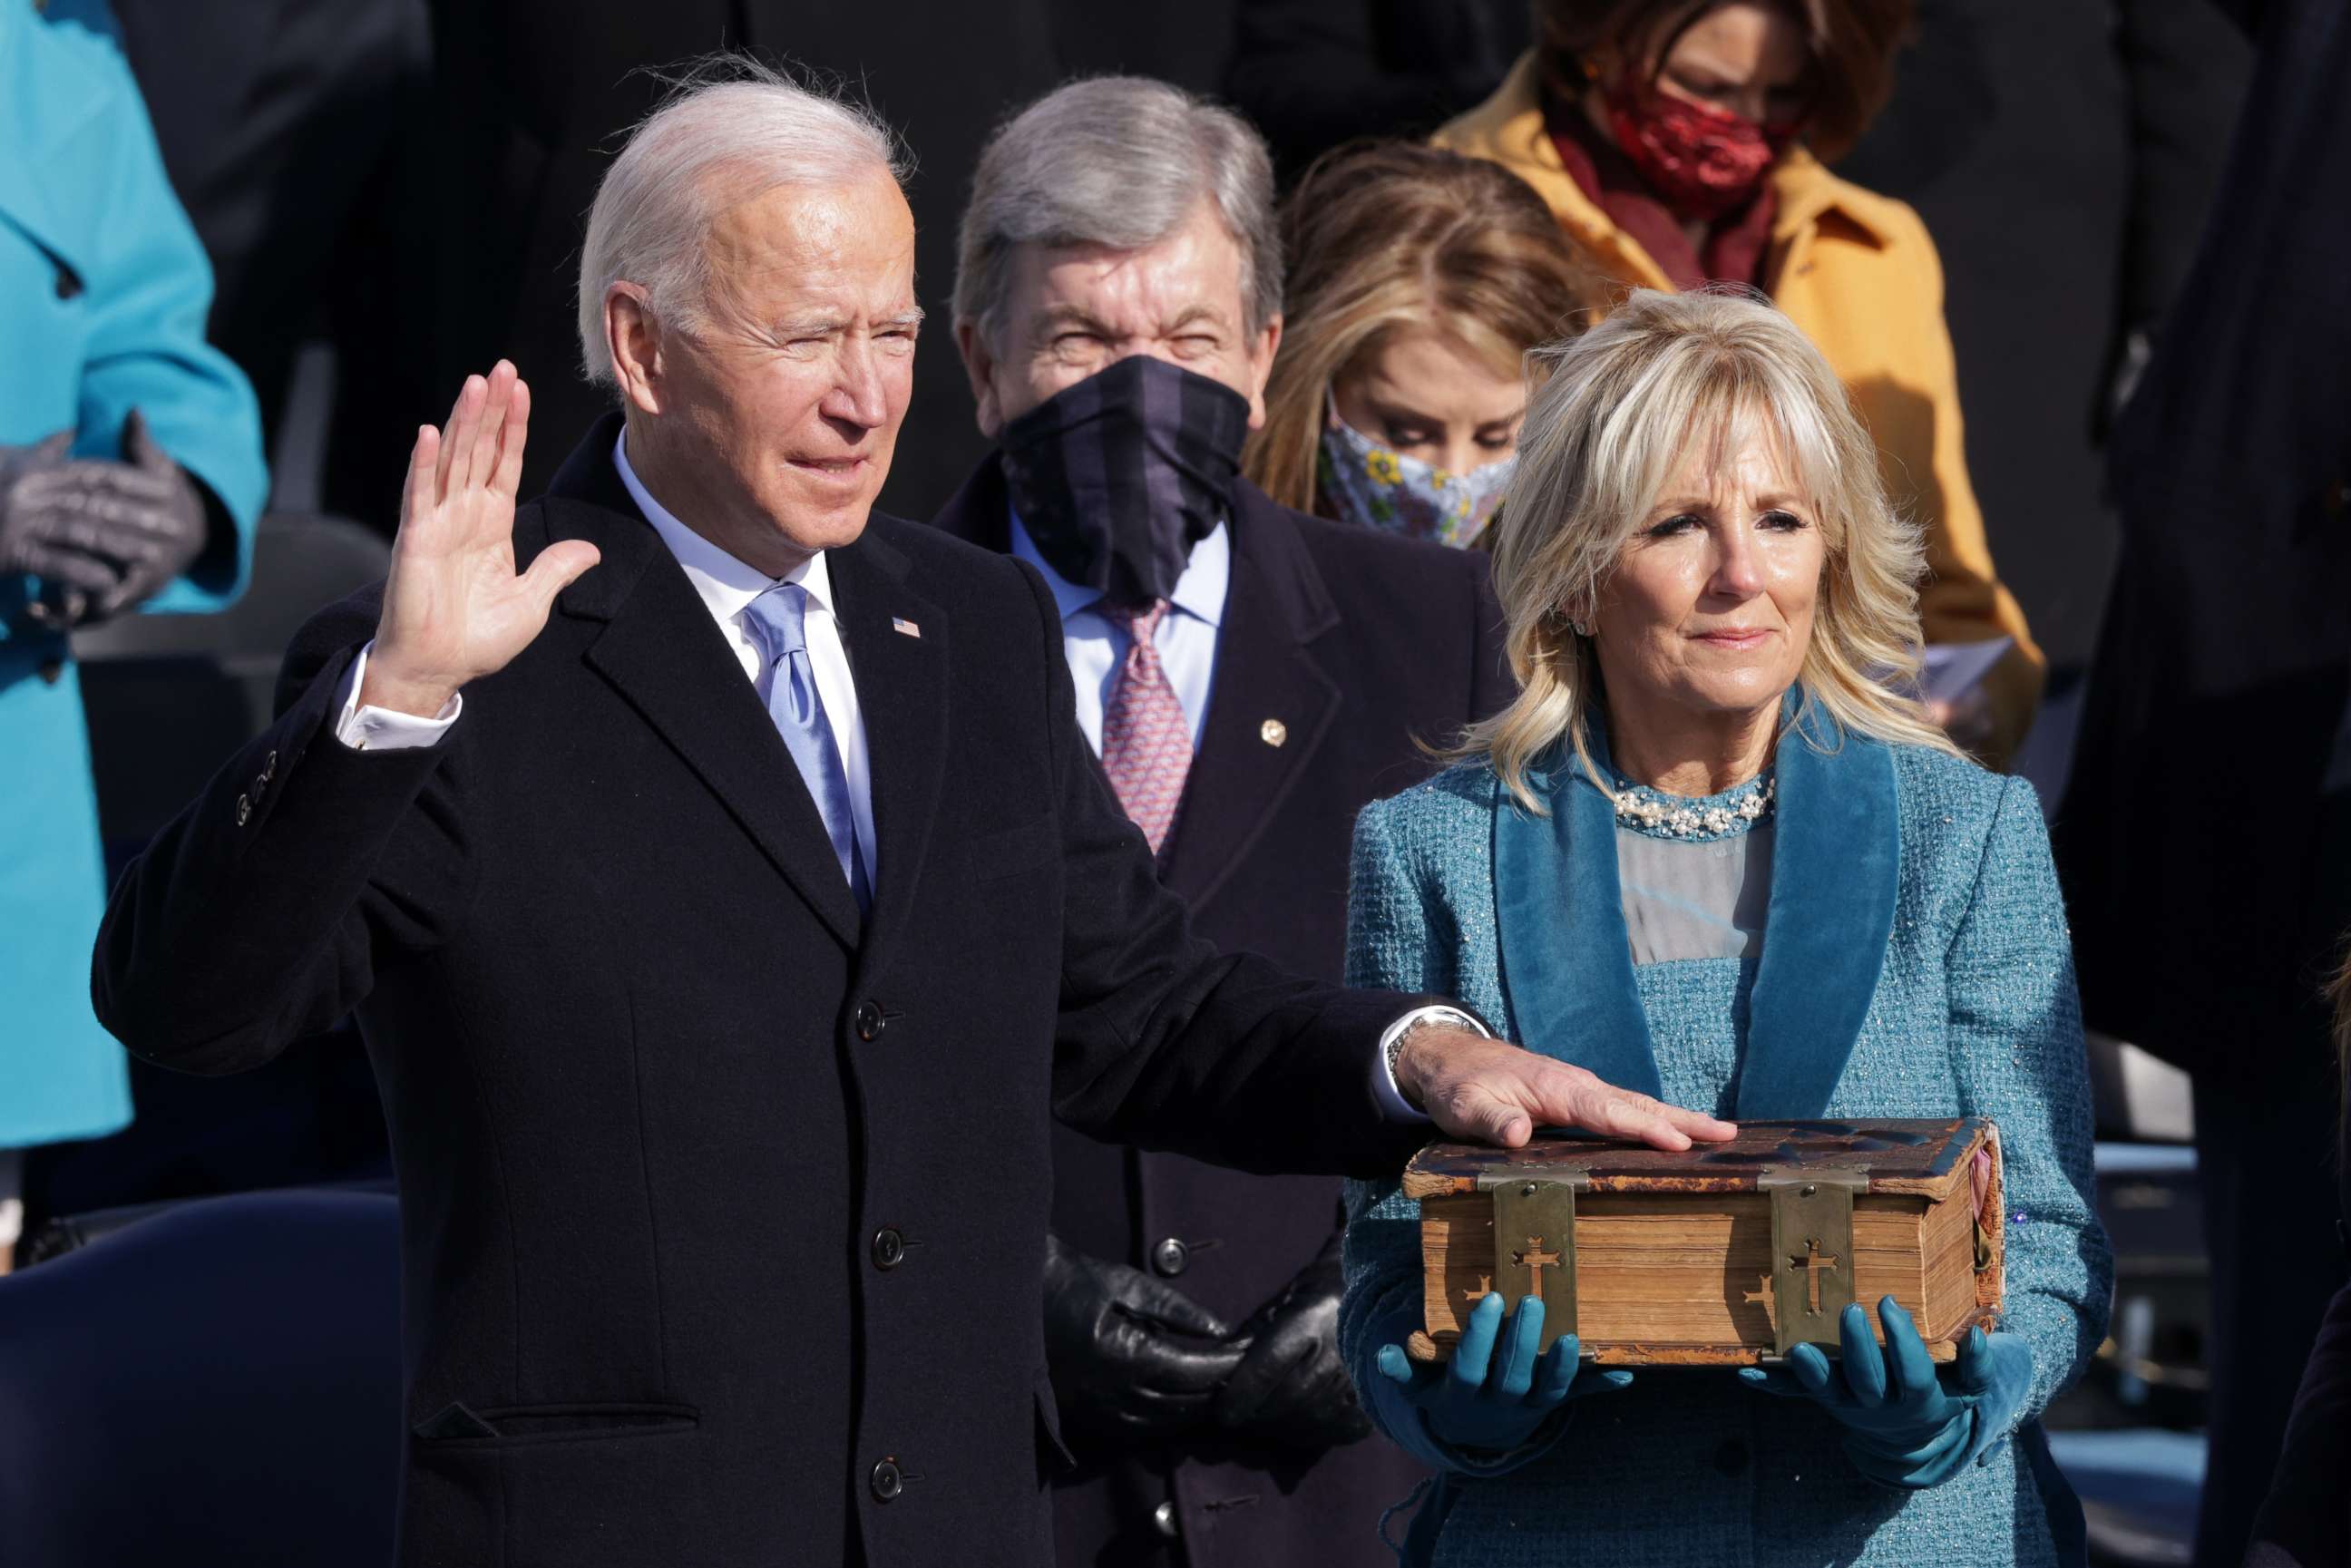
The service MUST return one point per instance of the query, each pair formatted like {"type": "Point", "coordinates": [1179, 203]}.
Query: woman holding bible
{"type": "Point", "coordinates": [1713, 852]}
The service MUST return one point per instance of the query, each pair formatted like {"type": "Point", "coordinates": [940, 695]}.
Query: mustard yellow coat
{"type": "Point", "coordinates": [1858, 272]}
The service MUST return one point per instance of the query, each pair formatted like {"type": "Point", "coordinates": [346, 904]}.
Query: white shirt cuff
{"type": "Point", "coordinates": [1384, 1084]}
{"type": "Point", "coordinates": [379, 728]}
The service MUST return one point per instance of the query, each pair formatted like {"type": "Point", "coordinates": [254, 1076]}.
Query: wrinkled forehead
{"type": "Point", "coordinates": [851, 242]}
{"type": "Point", "coordinates": [1193, 271]}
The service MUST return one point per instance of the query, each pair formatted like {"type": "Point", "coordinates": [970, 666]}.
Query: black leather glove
{"type": "Point", "coordinates": [1291, 1388]}
{"type": "Point", "coordinates": [103, 537]}
{"type": "Point", "coordinates": [1135, 1361]}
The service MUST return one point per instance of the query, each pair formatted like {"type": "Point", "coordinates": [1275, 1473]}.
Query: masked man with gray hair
{"type": "Point", "coordinates": [1250, 678]}
{"type": "Point", "coordinates": [729, 899]}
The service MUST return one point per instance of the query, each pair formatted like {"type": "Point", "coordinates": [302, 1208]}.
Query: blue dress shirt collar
{"type": "Point", "coordinates": [1199, 592]}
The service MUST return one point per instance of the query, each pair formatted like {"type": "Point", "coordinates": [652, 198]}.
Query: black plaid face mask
{"type": "Point", "coordinates": [1117, 478]}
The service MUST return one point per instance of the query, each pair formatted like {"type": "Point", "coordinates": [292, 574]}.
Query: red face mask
{"type": "Point", "coordinates": [1700, 161]}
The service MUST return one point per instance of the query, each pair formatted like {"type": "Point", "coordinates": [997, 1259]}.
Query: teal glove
{"type": "Point", "coordinates": [1904, 1425]}
{"type": "Point", "coordinates": [1489, 1399]}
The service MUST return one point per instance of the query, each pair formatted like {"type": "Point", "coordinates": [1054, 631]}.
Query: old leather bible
{"type": "Point", "coordinates": [1729, 1254]}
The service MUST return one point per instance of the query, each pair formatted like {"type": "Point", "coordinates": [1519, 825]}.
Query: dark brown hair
{"type": "Point", "coordinates": [1853, 43]}
{"type": "Point", "coordinates": [1383, 234]}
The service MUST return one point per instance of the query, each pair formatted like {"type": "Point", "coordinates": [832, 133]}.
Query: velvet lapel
{"type": "Point", "coordinates": [1275, 608]}
{"type": "Point", "coordinates": [898, 651]}
{"type": "Point", "coordinates": [1836, 873]}
{"type": "Point", "coordinates": [1567, 960]}
{"type": "Point", "coordinates": [661, 650]}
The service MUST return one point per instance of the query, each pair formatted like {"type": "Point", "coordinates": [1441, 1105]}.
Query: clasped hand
{"type": "Point", "coordinates": [1906, 1424]}
{"type": "Point", "coordinates": [1497, 1392]}
{"type": "Point", "coordinates": [103, 537]}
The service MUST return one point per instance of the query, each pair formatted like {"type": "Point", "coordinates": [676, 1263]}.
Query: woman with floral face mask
{"type": "Point", "coordinates": [1679, 143]}
{"type": "Point", "coordinates": [1418, 281]}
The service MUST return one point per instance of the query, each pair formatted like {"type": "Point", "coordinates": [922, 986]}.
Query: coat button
{"type": "Point", "coordinates": [871, 1021]}
{"type": "Point", "coordinates": [887, 1482]}
{"type": "Point", "coordinates": [269, 766]}
{"type": "Point", "coordinates": [889, 1248]}
{"type": "Point", "coordinates": [1171, 1258]}
{"type": "Point", "coordinates": [243, 811]}
{"type": "Point", "coordinates": [1730, 1459]}
{"type": "Point", "coordinates": [1163, 1520]}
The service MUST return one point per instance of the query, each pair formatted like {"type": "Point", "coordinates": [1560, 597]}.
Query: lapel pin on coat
{"type": "Point", "coordinates": [905, 628]}
{"type": "Point", "coordinates": [1273, 732]}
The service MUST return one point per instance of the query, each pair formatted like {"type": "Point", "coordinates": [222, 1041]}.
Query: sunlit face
{"type": "Point", "coordinates": [1747, 56]}
{"type": "Point", "coordinates": [771, 426]}
{"type": "Point", "coordinates": [1073, 311]}
{"type": "Point", "coordinates": [1710, 610]}
{"type": "Point", "coordinates": [1425, 395]}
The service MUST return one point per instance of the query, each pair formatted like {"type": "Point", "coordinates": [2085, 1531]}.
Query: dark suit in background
{"type": "Point", "coordinates": [722, 1214]}
{"type": "Point", "coordinates": [2063, 157]}
{"type": "Point", "coordinates": [1315, 73]}
{"type": "Point", "coordinates": [532, 95]}
{"type": "Point", "coordinates": [1356, 647]}
{"type": "Point", "coordinates": [294, 132]}
{"type": "Point", "coordinates": [2206, 839]}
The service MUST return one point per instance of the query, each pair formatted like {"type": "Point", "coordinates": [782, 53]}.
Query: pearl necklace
{"type": "Point", "coordinates": [1661, 816]}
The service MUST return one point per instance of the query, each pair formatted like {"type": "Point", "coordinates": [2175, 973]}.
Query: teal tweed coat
{"type": "Point", "coordinates": [1915, 963]}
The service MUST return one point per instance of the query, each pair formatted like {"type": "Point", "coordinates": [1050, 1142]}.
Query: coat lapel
{"type": "Point", "coordinates": [898, 650]}
{"type": "Point", "coordinates": [1567, 966]}
{"type": "Point", "coordinates": [661, 652]}
{"type": "Point", "coordinates": [1567, 960]}
{"type": "Point", "coordinates": [1273, 704]}
{"type": "Point", "coordinates": [1836, 873]}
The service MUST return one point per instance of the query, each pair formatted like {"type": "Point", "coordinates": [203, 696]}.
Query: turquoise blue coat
{"type": "Point", "coordinates": [103, 292]}
{"type": "Point", "coordinates": [1915, 963]}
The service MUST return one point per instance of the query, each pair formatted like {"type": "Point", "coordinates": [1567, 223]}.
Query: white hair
{"type": "Point", "coordinates": [731, 130]}
{"type": "Point", "coordinates": [1119, 162]}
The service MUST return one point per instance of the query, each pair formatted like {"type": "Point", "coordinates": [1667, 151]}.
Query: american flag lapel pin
{"type": "Point", "coordinates": [903, 627]}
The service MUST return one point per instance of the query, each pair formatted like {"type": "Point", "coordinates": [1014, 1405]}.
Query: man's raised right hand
{"type": "Point", "coordinates": [455, 609]}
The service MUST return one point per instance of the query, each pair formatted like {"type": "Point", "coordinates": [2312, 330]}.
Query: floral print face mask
{"type": "Point", "coordinates": [1379, 488]}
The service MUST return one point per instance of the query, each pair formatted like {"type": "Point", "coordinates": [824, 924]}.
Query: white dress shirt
{"type": "Point", "coordinates": [726, 587]}
{"type": "Point", "coordinates": [1186, 639]}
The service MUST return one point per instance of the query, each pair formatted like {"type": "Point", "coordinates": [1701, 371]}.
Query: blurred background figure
{"type": "Point", "coordinates": [130, 474]}
{"type": "Point", "coordinates": [2206, 839]}
{"type": "Point", "coordinates": [292, 132]}
{"type": "Point", "coordinates": [1679, 143]}
{"type": "Point", "coordinates": [2305, 1521]}
{"type": "Point", "coordinates": [1250, 678]}
{"type": "Point", "coordinates": [1312, 74]}
{"type": "Point", "coordinates": [1419, 281]}
{"type": "Point", "coordinates": [2063, 157]}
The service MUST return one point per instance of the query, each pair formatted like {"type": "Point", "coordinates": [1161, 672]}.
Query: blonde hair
{"type": "Point", "coordinates": [1388, 235]}
{"type": "Point", "coordinates": [1604, 434]}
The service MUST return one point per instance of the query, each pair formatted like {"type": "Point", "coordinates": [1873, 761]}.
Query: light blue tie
{"type": "Point", "coordinates": [779, 619]}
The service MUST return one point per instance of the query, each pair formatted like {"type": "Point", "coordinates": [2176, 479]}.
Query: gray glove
{"type": "Point", "coordinates": [103, 536]}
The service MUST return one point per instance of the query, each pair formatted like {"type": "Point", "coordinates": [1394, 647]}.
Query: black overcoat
{"type": "Point", "coordinates": [722, 1214]}
{"type": "Point", "coordinates": [1353, 649]}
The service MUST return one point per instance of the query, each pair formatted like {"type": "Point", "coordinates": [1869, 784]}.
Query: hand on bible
{"type": "Point", "coordinates": [455, 609]}
{"type": "Point", "coordinates": [1496, 1392]}
{"type": "Point", "coordinates": [1133, 1360]}
{"type": "Point", "coordinates": [1906, 1425]}
{"type": "Point", "coordinates": [1291, 1388]}
{"type": "Point", "coordinates": [1495, 1092]}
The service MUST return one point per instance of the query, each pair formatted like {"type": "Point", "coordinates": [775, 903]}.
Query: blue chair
{"type": "Point", "coordinates": [219, 1384]}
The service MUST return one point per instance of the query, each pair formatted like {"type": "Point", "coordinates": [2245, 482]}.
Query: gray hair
{"type": "Point", "coordinates": [1119, 162]}
{"type": "Point", "coordinates": [730, 129]}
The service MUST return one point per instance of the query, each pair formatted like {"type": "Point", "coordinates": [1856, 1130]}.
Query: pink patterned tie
{"type": "Point", "coordinates": [1147, 741]}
